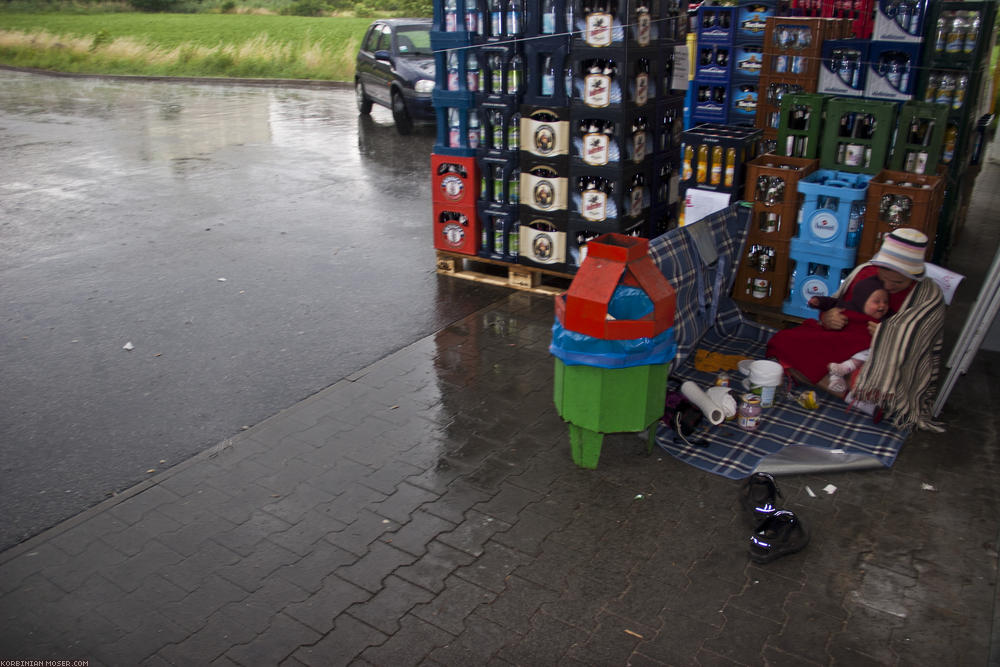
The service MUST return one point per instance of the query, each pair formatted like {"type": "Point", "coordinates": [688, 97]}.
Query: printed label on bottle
{"type": "Point", "coordinates": [597, 90]}
{"type": "Point", "coordinates": [453, 187]}
{"type": "Point", "coordinates": [641, 88]}
{"type": "Point", "coordinates": [595, 148]}
{"type": "Point", "coordinates": [598, 30]}
{"type": "Point", "coordinates": [635, 202]}
{"type": "Point", "coordinates": [639, 147]}
{"type": "Point", "coordinates": [594, 205]}
{"type": "Point", "coordinates": [453, 234]}
{"type": "Point", "coordinates": [545, 139]}
{"type": "Point", "coordinates": [543, 249]}
{"type": "Point", "coordinates": [642, 29]}
{"type": "Point", "coordinates": [543, 194]}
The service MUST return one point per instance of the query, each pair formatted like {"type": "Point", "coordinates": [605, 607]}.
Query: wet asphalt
{"type": "Point", "coordinates": [254, 245]}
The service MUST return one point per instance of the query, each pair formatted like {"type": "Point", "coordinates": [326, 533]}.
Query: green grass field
{"type": "Point", "coordinates": [231, 45]}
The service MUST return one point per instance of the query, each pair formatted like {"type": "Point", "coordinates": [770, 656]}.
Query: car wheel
{"type": "Point", "coordinates": [404, 124]}
{"type": "Point", "coordinates": [364, 104]}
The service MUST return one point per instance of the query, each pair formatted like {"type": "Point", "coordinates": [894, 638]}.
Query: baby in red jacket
{"type": "Point", "coordinates": [868, 298]}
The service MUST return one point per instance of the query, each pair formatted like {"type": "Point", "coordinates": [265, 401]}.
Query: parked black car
{"type": "Point", "coordinates": [395, 68]}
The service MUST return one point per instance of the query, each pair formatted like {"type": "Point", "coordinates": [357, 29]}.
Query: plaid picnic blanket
{"type": "Point", "coordinates": [707, 318]}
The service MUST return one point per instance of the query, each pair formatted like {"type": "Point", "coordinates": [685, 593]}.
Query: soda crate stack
{"type": "Point", "coordinates": [857, 134]}
{"type": "Point", "coordinates": [825, 244]}
{"type": "Point", "coordinates": [728, 62]}
{"type": "Point", "coordinates": [715, 157]}
{"type": "Point", "coordinates": [919, 138]}
{"type": "Point", "coordinates": [957, 37]}
{"type": "Point", "coordinates": [800, 127]}
{"type": "Point", "coordinates": [544, 175]}
{"type": "Point", "coordinates": [792, 56]}
{"type": "Point", "coordinates": [772, 187]}
{"type": "Point", "coordinates": [900, 199]}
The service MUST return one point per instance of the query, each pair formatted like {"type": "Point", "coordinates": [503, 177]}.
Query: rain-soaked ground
{"type": "Point", "coordinates": [253, 245]}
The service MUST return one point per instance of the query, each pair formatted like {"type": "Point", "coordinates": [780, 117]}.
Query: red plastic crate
{"type": "Point", "coordinates": [454, 180]}
{"type": "Point", "coordinates": [456, 228]}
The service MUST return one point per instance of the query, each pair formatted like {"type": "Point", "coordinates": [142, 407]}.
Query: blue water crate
{"type": "Point", "coordinates": [900, 20]}
{"type": "Point", "coordinates": [457, 131]}
{"type": "Point", "coordinates": [814, 273]}
{"type": "Point", "coordinates": [832, 211]}
{"type": "Point", "coordinates": [498, 231]}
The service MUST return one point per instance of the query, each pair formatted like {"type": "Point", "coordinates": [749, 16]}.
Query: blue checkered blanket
{"type": "Point", "coordinates": [700, 261]}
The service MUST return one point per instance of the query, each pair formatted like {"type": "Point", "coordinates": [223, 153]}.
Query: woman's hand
{"type": "Point", "coordinates": [872, 328]}
{"type": "Point", "coordinates": [833, 319]}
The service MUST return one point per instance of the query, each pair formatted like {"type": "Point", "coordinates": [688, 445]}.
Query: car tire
{"type": "Point", "coordinates": [400, 114]}
{"type": "Point", "coordinates": [364, 103]}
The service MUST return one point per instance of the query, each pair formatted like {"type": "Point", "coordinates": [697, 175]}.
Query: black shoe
{"type": "Point", "coordinates": [759, 497]}
{"type": "Point", "coordinates": [781, 534]}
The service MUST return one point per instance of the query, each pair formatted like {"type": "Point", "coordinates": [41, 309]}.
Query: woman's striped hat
{"type": "Point", "coordinates": [903, 251]}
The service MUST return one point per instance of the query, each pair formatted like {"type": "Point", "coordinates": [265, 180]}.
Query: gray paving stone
{"type": "Point", "coordinates": [479, 642]}
{"type": "Point", "coordinates": [417, 532]}
{"type": "Point", "coordinates": [432, 569]}
{"type": "Point", "coordinates": [351, 502]}
{"type": "Point", "coordinates": [250, 572]}
{"type": "Point", "coordinates": [359, 535]}
{"type": "Point", "coordinates": [450, 609]}
{"type": "Point", "coordinates": [192, 612]}
{"type": "Point", "coordinates": [516, 604]}
{"type": "Point", "coordinates": [312, 527]}
{"type": "Point", "coordinates": [140, 644]}
{"type": "Point", "coordinates": [403, 502]}
{"type": "Point", "coordinates": [300, 500]}
{"type": "Point", "coordinates": [546, 643]}
{"type": "Point", "coordinates": [309, 572]}
{"type": "Point", "coordinates": [370, 570]}
{"type": "Point", "coordinates": [348, 638]}
{"type": "Point", "coordinates": [150, 498]}
{"type": "Point", "coordinates": [319, 610]}
{"type": "Point", "coordinates": [385, 609]}
{"type": "Point", "coordinates": [493, 568]}
{"type": "Point", "coordinates": [410, 645]}
{"type": "Point", "coordinates": [474, 532]}
{"type": "Point", "coordinates": [283, 637]}
{"type": "Point", "coordinates": [386, 478]}
{"type": "Point", "coordinates": [612, 643]}
{"type": "Point", "coordinates": [244, 538]}
{"type": "Point", "coordinates": [458, 499]}
{"type": "Point", "coordinates": [190, 538]}
{"type": "Point", "coordinates": [97, 557]}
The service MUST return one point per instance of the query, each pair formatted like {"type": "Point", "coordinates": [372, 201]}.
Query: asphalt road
{"type": "Point", "coordinates": [252, 245]}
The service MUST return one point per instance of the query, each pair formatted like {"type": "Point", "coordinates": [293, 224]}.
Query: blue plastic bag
{"type": "Point", "coordinates": [627, 303]}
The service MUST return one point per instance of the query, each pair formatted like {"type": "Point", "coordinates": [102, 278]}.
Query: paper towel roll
{"type": "Point", "coordinates": [723, 397]}
{"type": "Point", "coordinates": [694, 394]}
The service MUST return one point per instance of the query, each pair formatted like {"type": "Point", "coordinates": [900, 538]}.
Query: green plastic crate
{"type": "Point", "coordinates": [798, 136]}
{"type": "Point", "coordinates": [919, 137]}
{"type": "Point", "coordinates": [857, 134]}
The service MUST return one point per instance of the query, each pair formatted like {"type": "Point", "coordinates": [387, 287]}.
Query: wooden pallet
{"type": "Point", "coordinates": [772, 317]}
{"type": "Point", "coordinates": [502, 274]}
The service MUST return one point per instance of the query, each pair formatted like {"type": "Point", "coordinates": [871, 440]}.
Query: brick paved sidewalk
{"type": "Point", "coordinates": [426, 511]}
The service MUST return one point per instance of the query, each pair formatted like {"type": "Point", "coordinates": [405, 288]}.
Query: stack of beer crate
{"type": "Point", "coordinates": [792, 53]}
{"type": "Point", "coordinates": [957, 39]}
{"type": "Point", "coordinates": [455, 181]}
{"type": "Point", "coordinates": [729, 62]}
{"type": "Point", "coordinates": [564, 109]}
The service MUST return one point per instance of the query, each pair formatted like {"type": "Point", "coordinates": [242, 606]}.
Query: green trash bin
{"type": "Point", "coordinates": [598, 400]}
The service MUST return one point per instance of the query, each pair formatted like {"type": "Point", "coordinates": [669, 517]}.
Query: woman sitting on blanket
{"type": "Point", "coordinates": [901, 385]}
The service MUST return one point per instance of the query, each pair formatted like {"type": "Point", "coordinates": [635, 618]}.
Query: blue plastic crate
{"type": "Point", "coordinates": [461, 138]}
{"type": "Point", "coordinates": [714, 62]}
{"type": "Point", "coordinates": [751, 19]}
{"type": "Point", "coordinates": [710, 103]}
{"type": "Point", "coordinates": [832, 209]}
{"type": "Point", "coordinates": [716, 25]}
{"type": "Point", "coordinates": [812, 274]}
